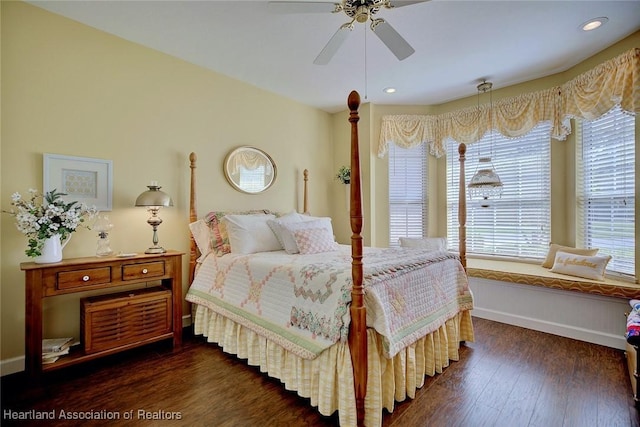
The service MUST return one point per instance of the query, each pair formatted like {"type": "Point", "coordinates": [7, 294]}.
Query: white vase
{"type": "Point", "coordinates": [51, 250]}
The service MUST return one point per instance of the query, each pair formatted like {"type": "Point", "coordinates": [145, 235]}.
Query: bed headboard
{"type": "Point", "coordinates": [194, 253]}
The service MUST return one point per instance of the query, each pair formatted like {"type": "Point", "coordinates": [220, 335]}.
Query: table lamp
{"type": "Point", "coordinates": [153, 199]}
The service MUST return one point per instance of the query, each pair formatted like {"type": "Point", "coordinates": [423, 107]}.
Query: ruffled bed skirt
{"type": "Point", "coordinates": [327, 381]}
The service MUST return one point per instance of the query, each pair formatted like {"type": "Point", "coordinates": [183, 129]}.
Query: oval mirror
{"type": "Point", "coordinates": [249, 169]}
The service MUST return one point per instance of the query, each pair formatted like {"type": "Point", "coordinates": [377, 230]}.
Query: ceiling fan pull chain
{"type": "Point", "coordinates": [366, 81]}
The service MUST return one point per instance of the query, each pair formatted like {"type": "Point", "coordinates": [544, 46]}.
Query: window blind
{"type": "Point", "coordinates": [408, 192]}
{"type": "Point", "coordinates": [518, 223]}
{"type": "Point", "coordinates": [606, 188]}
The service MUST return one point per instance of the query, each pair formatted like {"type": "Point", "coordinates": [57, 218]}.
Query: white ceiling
{"type": "Point", "coordinates": [457, 44]}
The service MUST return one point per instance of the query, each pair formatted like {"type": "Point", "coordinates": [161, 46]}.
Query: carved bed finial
{"type": "Point", "coordinates": [305, 202]}
{"type": "Point", "coordinates": [353, 101]}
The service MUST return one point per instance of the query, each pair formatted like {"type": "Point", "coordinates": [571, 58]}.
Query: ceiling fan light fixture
{"type": "Point", "coordinates": [362, 14]}
{"type": "Point", "coordinates": [360, 11]}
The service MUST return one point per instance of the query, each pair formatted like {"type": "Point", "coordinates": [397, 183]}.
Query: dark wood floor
{"type": "Point", "coordinates": [509, 377]}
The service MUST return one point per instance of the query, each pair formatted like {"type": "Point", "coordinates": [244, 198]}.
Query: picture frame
{"type": "Point", "coordinates": [83, 179]}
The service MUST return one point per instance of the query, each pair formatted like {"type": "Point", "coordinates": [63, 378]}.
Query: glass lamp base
{"type": "Point", "coordinates": [155, 250]}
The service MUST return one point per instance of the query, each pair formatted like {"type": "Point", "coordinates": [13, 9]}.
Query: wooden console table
{"type": "Point", "coordinates": [92, 273]}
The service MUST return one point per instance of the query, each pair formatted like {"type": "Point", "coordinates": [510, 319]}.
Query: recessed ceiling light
{"type": "Point", "coordinates": [594, 23]}
{"type": "Point", "coordinates": [389, 90]}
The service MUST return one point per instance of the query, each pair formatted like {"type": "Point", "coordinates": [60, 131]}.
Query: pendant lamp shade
{"type": "Point", "coordinates": [485, 184]}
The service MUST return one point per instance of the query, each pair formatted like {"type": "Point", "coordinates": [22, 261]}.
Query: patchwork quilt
{"type": "Point", "coordinates": [301, 302]}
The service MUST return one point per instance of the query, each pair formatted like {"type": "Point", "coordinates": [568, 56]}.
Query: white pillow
{"type": "Point", "coordinates": [324, 223]}
{"type": "Point", "coordinates": [249, 234]}
{"type": "Point", "coordinates": [285, 238]}
{"type": "Point", "coordinates": [202, 236]}
{"type": "Point", "coordinates": [431, 243]}
{"type": "Point", "coordinates": [554, 248]}
{"type": "Point", "coordinates": [589, 267]}
{"type": "Point", "coordinates": [315, 240]}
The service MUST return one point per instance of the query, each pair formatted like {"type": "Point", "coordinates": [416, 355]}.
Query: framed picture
{"type": "Point", "coordinates": [83, 179]}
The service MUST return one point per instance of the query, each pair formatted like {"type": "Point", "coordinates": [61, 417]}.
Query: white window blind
{"type": "Point", "coordinates": [517, 224]}
{"type": "Point", "coordinates": [408, 192]}
{"type": "Point", "coordinates": [606, 188]}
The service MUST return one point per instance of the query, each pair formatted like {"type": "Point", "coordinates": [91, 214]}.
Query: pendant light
{"type": "Point", "coordinates": [485, 184]}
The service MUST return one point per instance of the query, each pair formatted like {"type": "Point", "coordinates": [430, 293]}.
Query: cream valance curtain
{"type": "Point", "coordinates": [249, 160]}
{"type": "Point", "coordinates": [588, 96]}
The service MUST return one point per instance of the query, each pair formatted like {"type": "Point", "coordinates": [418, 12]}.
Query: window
{"type": "Point", "coordinates": [408, 201]}
{"type": "Point", "coordinates": [606, 188]}
{"type": "Point", "coordinates": [517, 224]}
{"type": "Point", "coordinates": [253, 180]}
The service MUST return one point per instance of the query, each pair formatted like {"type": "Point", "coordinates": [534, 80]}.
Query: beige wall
{"type": "Point", "coordinates": [72, 90]}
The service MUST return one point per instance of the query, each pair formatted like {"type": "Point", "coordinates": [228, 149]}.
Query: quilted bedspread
{"type": "Point", "coordinates": [301, 301]}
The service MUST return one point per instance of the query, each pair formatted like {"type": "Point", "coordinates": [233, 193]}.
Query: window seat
{"type": "Point", "coordinates": [536, 275]}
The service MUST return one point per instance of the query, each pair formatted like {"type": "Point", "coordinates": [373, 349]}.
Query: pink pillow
{"type": "Point", "coordinates": [314, 240]}
{"type": "Point", "coordinates": [291, 227]}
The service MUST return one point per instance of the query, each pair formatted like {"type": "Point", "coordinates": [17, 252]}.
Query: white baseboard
{"type": "Point", "coordinates": [16, 364]}
{"type": "Point", "coordinates": [592, 318]}
{"type": "Point", "coordinates": [11, 366]}
{"type": "Point", "coordinates": [581, 334]}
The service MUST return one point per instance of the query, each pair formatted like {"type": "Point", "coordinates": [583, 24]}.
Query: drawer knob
{"type": "Point", "coordinates": [145, 271]}
{"type": "Point", "coordinates": [85, 278]}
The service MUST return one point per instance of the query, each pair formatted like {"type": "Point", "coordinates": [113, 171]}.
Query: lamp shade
{"type": "Point", "coordinates": [154, 197]}
{"type": "Point", "coordinates": [485, 183]}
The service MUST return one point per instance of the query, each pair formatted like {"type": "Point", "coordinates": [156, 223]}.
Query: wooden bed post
{"type": "Point", "coordinates": [193, 216]}
{"type": "Point", "coordinates": [462, 208]}
{"type": "Point", "coordinates": [305, 203]}
{"type": "Point", "coordinates": [358, 330]}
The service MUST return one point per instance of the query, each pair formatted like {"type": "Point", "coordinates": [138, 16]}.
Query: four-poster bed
{"type": "Point", "coordinates": [401, 317]}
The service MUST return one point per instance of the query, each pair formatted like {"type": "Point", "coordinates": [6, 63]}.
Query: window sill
{"type": "Point", "coordinates": [536, 275]}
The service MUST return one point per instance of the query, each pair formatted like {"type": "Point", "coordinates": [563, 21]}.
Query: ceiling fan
{"type": "Point", "coordinates": [359, 11]}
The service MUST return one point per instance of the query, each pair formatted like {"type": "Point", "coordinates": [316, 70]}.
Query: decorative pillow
{"type": "Point", "coordinates": [249, 234]}
{"type": "Point", "coordinates": [202, 236]}
{"type": "Point", "coordinates": [219, 237]}
{"type": "Point", "coordinates": [282, 234]}
{"type": "Point", "coordinates": [431, 243]}
{"type": "Point", "coordinates": [589, 267]}
{"type": "Point", "coordinates": [318, 222]}
{"type": "Point", "coordinates": [553, 248]}
{"type": "Point", "coordinates": [314, 240]}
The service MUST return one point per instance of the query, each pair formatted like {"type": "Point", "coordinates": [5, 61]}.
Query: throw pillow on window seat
{"type": "Point", "coordinates": [431, 243]}
{"type": "Point", "coordinates": [553, 249]}
{"type": "Point", "coordinates": [589, 267]}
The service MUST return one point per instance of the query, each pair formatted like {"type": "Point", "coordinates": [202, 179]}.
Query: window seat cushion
{"type": "Point", "coordinates": [534, 274]}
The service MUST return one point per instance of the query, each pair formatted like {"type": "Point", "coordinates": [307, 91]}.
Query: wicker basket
{"type": "Point", "coordinates": [115, 320]}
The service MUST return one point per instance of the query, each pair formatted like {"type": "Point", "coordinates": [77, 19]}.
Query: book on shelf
{"type": "Point", "coordinates": [52, 354]}
{"type": "Point", "coordinates": [50, 345]}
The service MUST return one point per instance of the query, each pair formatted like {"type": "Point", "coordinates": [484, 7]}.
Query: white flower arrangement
{"type": "Point", "coordinates": [43, 216]}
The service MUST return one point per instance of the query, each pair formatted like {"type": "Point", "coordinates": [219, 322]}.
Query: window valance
{"type": "Point", "coordinates": [588, 96]}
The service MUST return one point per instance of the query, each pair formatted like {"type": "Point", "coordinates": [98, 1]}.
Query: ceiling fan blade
{"type": "Point", "coordinates": [400, 3]}
{"type": "Point", "coordinates": [333, 45]}
{"type": "Point", "coordinates": [390, 37]}
{"type": "Point", "coordinates": [301, 7]}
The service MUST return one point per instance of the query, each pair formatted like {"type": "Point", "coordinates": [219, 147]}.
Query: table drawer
{"type": "Point", "coordinates": [86, 277]}
{"type": "Point", "coordinates": [143, 270]}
